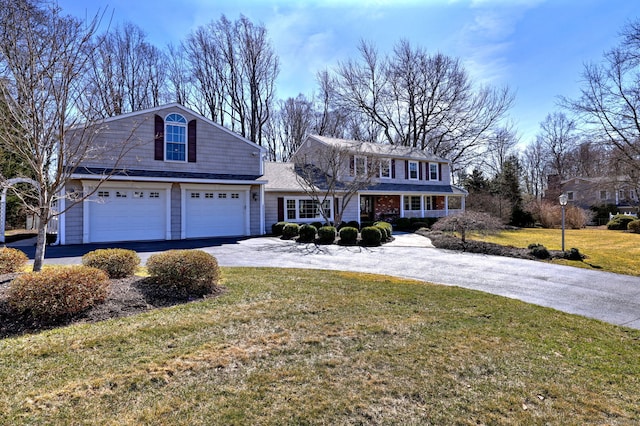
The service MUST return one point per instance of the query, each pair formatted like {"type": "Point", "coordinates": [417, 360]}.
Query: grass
{"type": "Point", "coordinates": [613, 251]}
{"type": "Point", "coordinates": [308, 347]}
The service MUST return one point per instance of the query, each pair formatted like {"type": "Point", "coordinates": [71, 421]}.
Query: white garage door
{"type": "Point", "coordinates": [215, 213]}
{"type": "Point", "coordinates": [120, 214]}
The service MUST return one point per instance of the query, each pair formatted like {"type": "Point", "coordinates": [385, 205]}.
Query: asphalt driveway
{"type": "Point", "coordinates": [605, 296]}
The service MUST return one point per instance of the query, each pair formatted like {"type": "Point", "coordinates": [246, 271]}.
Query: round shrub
{"type": "Point", "coordinates": [620, 222]}
{"type": "Point", "coordinates": [634, 226]}
{"type": "Point", "coordinates": [276, 228]}
{"type": "Point", "coordinates": [573, 254]}
{"type": "Point", "coordinates": [354, 224]}
{"type": "Point", "coordinates": [290, 230]}
{"type": "Point", "coordinates": [348, 235]}
{"type": "Point", "coordinates": [403, 224]}
{"type": "Point", "coordinates": [117, 263]}
{"type": "Point", "coordinates": [54, 293]}
{"type": "Point", "coordinates": [371, 236]}
{"type": "Point", "coordinates": [185, 272]}
{"type": "Point", "coordinates": [12, 260]}
{"type": "Point", "coordinates": [539, 251]}
{"type": "Point", "coordinates": [307, 233]}
{"type": "Point", "coordinates": [327, 235]}
{"type": "Point", "coordinates": [385, 228]}
{"type": "Point", "coordinates": [317, 225]}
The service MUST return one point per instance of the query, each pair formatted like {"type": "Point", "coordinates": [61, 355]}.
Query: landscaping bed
{"type": "Point", "coordinates": [127, 296]}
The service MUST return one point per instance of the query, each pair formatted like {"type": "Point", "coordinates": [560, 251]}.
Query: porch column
{"type": "Point", "coordinates": [446, 205]}
{"type": "Point", "coordinates": [402, 205]}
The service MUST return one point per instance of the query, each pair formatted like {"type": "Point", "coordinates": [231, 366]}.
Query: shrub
{"type": "Point", "coordinates": [12, 260]}
{"type": "Point", "coordinates": [539, 251]}
{"type": "Point", "coordinates": [117, 263]}
{"type": "Point", "coordinates": [371, 236]}
{"type": "Point", "coordinates": [620, 222]}
{"type": "Point", "coordinates": [186, 272]}
{"type": "Point", "coordinates": [55, 293]}
{"type": "Point", "coordinates": [327, 235]}
{"type": "Point", "coordinates": [573, 254]}
{"type": "Point", "coordinates": [290, 230]}
{"type": "Point", "coordinates": [317, 225]}
{"type": "Point", "coordinates": [634, 226]}
{"type": "Point", "coordinates": [348, 235]}
{"type": "Point", "coordinates": [276, 228]}
{"type": "Point", "coordinates": [385, 228]}
{"type": "Point", "coordinates": [354, 224]}
{"type": "Point", "coordinates": [419, 225]}
{"type": "Point", "coordinates": [307, 233]}
{"type": "Point", "coordinates": [403, 224]}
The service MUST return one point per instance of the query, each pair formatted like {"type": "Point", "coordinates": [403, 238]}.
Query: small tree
{"type": "Point", "coordinates": [469, 221]}
{"type": "Point", "coordinates": [335, 172]}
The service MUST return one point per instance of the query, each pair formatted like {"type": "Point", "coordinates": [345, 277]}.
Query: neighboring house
{"type": "Point", "coordinates": [184, 176]}
{"type": "Point", "coordinates": [407, 183]}
{"type": "Point", "coordinates": [590, 192]}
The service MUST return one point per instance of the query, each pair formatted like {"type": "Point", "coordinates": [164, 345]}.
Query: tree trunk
{"type": "Point", "coordinates": [41, 241]}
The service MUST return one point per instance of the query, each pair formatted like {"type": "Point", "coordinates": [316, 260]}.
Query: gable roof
{"type": "Point", "coordinates": [176, 105]}
{"type": "Point", "coordinates": [379, 149]}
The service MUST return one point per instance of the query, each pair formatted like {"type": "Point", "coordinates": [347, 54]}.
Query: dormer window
{"type": "Point", "coordinates": [175, 138]}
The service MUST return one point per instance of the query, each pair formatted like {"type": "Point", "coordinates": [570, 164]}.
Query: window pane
{"type": "Point", "coordinates": [307, 209]}
{"type": "Point", "coordinates": [385, 168]}
{"type": "Point", "coordinates": [413, 170]}
{"type": "Point", "coordinates": [415, 203]}
{"type": "Point", "coordinates": [433, 171]}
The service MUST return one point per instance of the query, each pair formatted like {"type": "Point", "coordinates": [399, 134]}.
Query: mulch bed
{"type": "Point", "coordinates": [127, 296]}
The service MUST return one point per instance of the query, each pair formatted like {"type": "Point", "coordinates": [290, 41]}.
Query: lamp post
{"type": "Point", "coordinates": [563, 202]}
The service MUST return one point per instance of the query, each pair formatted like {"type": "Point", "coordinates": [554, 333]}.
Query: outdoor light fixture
{"type": "Point", "coordinates": [563, 202]}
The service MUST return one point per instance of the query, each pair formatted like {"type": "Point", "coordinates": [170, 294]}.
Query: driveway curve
{"type": "Point", "coordinates": [609, 297]}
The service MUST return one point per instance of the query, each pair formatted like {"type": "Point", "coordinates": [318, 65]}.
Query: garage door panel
{"type": "Point", "coordinates": [127, 215]}
{"type": "Point", "coordinates": [215, 213]}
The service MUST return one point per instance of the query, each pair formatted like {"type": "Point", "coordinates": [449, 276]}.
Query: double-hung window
{"type": "Point", "coordinates": [412, 202]}
{"type": "Point", "coordinates": [413, 170]}
{"type": "Point", "coordinates": [306, 209]}
{"type": "Point", "coordinates": [385, 168]}
{"type": "Point", "coordinates": [433, 171]}
{"type": "Point", "coordinates": [175, 138]}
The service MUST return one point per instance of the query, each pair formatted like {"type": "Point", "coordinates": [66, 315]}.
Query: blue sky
{"type": "Point", "coordinates": [536, 47]}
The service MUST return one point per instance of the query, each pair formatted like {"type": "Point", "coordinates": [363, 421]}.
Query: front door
{"type": "Point", "coordinates": [367, 212]}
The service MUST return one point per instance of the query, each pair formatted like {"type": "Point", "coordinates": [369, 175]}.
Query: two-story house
{"type": "Point", "coordinates": [584, 192]}
{"type": "Point", "coordinates": [180, 176]}
{"type": "Point", "coordinates": [406, 183]}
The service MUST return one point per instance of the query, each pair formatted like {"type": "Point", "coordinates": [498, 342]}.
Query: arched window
{"type": "Point", "coordinates": [175, 137]}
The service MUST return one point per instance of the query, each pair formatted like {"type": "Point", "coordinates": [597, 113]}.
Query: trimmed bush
{"type": "Point", "coordinates": [186, 272]}
{"type": "Point", "coordinates": [385, 228]}
{"type": "Point", "coordinates": [317, 225]}
{"type": "Point", "coordinates": [12, 260]}
{"type": "Point", "coordinates": [327, 235]}
{"type": "Point", "coordinates": [634, 226]}
{"type": "Point", "coordinates": [573, 254]}
{"type": "Point", "coordinates": [54, 293]}
{"type": "Point", "coordinates": [348, 235]}
{"type": "Point", "coordinates": [539, 251]}
{"type": "Point", "coordinates": [290, 230]}
{"type": "Point", "coordinates": [354, 224]}
{"type": "Point", "coordinates": [371, 236]}
{"type": "Point", "coordinates": [307, 233]}
{"type": "Point", "coordinates": [276, 228]}
{"type": "Point", "coordinates": [403, 224]}
{"type": "Point", "coordinates": [117, 263]}
{"type": "Point", "coordinates": [620, 222]}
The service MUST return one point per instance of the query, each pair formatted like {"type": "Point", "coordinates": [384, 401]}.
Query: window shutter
{"type": "Point", "coordinates": [393, 169]}
{"type": "Point", "coordinates": [280, 209]}
{"type": "Point", "coordinates": [420, 175]}
{"type": "Point", "coordinates": [191, 142]}
{"type": "Point", "coordinates": [406, 169]}
{"type": "Point", "coordinates": [159, 138]}
{"type": "Point", "coordinates": [439, 171]}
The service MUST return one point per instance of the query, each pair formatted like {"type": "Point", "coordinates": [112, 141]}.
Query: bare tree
{"type": "Point", "coordinates": [469, 221]}
{"type": "Point", "coordinates": [127, 73]}
{"type": "Point", "coordinates": [558, 136]}
{"type": "Point", "coordinates": [534, 165]}
{"type": "Point", "coordinates": [499, 147]}
{"type": "Point", "coordinates": [609, 97]}
{"type": "Point", "coordinates": [331, 173]}
{"type": "Point", "coordinates": [43, 56]}
{"type": "Point", "coordinates": [421, 100]}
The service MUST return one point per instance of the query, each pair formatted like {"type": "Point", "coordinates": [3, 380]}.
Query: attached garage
{"type": "Point", "coordinates": [215, 211]}
{"type": "Point", "coordinates": [122, 213]}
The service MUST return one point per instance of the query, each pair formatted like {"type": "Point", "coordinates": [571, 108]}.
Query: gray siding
{"type": "Point", "coordinates": [255, 214]}
{"type": "Point", "coordinates": [73, 217]}
{"type": "Point", "coordinates": [218, 151]}
{"type": "Point", "coordinates": [176, 211]}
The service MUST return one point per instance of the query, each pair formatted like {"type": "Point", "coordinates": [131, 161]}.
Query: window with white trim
{"type": "Point", "coordinates": [306, 209]}
{"type": "Point", "coordinates": [208, 195]}
{"type": "Point", "coordinates": [138, 194]}
{"type": "Point", "coordinates": [175, 138]}
{"type": "Point", "coordinates": [154, 194]}
{"type": "Point", "coordinates": [195, 195]}
{"type": "Point", "coordinates": [428, 202]}
{"type": "Point", "coordinates": [103, 194]}
{"type": "Point", "coordinates": [412, 202]}
{"type": "Point", "coordinates": [222, 195]}
{"type": "Point", "coordinates": [603, 195]}
{"type": "Point", "coordinates": [433, 171]}
{"type": "Point", "coordinates": [360, 165]}
{"type": "Point", "coordinates": [385, 168]}
{"type": "Point", "coordinates": [413, 170]}
{"type": "Point", "coordinates": [235, 195]}
{"type": "Point", "coordinates": [120, 194]}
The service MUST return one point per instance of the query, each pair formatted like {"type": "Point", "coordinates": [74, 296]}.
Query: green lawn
{"type": "Point", "coordinates": [613, 251]}
{"type": "Point", "coordinates": [310, 347]}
